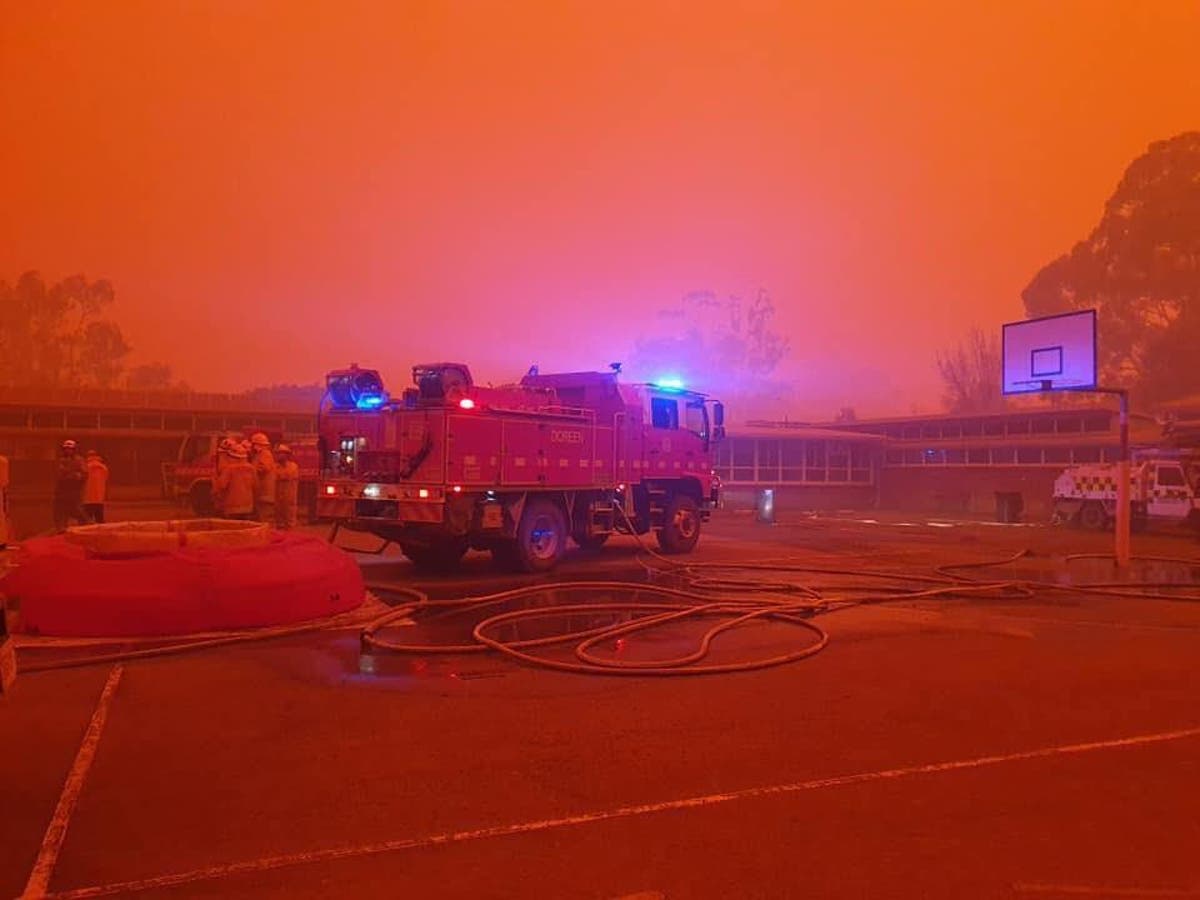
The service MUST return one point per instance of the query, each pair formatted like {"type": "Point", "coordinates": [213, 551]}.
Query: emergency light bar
{"type": "Point", "coordinates": [355, 388]}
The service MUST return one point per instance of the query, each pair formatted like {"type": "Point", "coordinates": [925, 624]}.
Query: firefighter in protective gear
{"type": "Point", "coordinates": [287, 488]}
{"type": "Point", "coordinates": [236, 485]}
{"type": "Point", "coordinates": [265, 471]}
{"type": "Point", "coordinates": [4, 535]}
{"type": "Point", "coordinates": [69, 477]}
{"type": "Point", "coordinates": [223, 450]}
{"type": "Point", "coordinates": [95, 487]}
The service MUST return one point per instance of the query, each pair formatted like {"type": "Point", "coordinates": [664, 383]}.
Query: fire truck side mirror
{"type": "Point", "coordinates": [718, 432]}
{"type": "Point", "coordinates": [719, 415]}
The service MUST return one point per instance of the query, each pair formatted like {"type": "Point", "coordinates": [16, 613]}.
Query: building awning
{"type": "Point", "coordinates": [802, 432]}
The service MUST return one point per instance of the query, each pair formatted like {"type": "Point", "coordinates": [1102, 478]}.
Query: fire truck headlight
{"type": "Point", "coordinates": [371, 490]}
{"type": "Point", "coordinates": [330, 490]}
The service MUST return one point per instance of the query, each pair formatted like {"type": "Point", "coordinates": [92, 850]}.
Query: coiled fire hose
{"type": "Point", "coordinates": [737, 594]}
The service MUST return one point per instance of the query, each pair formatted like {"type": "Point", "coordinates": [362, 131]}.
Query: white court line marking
{"type": "Point", "coordinates": [269, 863]}
{"type": "Point", "coordinates": [1100, 890]}
{"type": "Point", "coordinates": [56, 832]}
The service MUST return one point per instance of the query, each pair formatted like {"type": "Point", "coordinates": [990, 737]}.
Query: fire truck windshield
{"type": "Point", "coordinates": [197, 445]}
{"type": "Point", "coordinates": [696, 418]}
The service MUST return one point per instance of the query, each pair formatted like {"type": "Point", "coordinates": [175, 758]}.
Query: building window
{"type": "Point", "coordinates": [47, 420]}
{"type": "Point", "coordinates": [743, 459]}
{"type": "Point", "coordinates": [860, 463]}
{"type": "Point", "coordinates": [1057, 455]}
{"type": "Point", "coordinates": [792, 456]}
{"type": "Point", "coordinates": [839, 461]}
{"type": "Point", "coordinates": [768, 460]}
{"type": "Point", "coordinates": [1029, 456]}
{"type": "Point", "coordinates": [977, 456]}
{"type": "Point", "coordinates": [955, 457]}
{"type": "Point", "coordinates": [814, 461]}
{"type": "Point", "coordinates": [1085, 455]}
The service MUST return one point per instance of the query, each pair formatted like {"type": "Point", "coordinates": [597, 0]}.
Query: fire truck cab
{"type": "Point", "coordinates": [517, 470]}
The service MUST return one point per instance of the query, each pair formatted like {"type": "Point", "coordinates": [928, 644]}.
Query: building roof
{"type": "Point", "coordinates": [155, 400]}
{"type": "Point", "coordinates": [803, 432]}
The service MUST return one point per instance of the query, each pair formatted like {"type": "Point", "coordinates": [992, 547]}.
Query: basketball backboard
{"type": "Point", "coordinates": [1054, 353]}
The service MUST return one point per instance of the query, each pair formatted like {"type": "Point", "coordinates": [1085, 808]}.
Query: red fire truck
{"type": "Point", "coordinates": [517, 470]}
{"type": "Point", "coordinates": [190, 478]}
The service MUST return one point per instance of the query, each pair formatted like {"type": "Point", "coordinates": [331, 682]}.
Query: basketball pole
{"type": "Point", "coordinates": [1122, 523]}
{"type": "Point", "coordinates": [1124, 514]}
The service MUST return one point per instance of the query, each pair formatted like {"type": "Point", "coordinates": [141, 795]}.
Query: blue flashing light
{"type": "Point", "coordinates": [670, 383]}
{"type": "Point", "coordinates": [371, 401]}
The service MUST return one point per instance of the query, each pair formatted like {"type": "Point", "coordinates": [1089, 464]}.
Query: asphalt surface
{"type": "Point", "coordinates": [1044, 746]}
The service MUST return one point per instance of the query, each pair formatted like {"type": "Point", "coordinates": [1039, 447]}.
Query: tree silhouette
{"type": "Point", "coordinates": [1140, 269]}
{"type": "Point", "coordinates": [57, 335]}
{"type": "Point", "coordinates": [723, 345]}
{"type": "Point", "coordinates": [154, 376]}
{"type": "Point", "coordinates": [970, 373]}
{"type": "Point", "coordinates": [714, 341]}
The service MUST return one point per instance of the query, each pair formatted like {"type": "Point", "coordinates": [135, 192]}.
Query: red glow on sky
{"type": "Point", "coordinates": [277, 189]}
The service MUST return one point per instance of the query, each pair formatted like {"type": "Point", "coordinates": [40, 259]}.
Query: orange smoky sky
{"type": "Point", "coordinates": [280, 188]}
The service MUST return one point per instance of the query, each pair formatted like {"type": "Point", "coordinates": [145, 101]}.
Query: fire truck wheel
{"type": "Point", "coordinates": [439, 557]}
{"type": "Point", "coordinates": [681, 525]}
{"type": "Point", "coordinates": [541, 536]}
{"type": "Point", "coordinates": [1093, 517]}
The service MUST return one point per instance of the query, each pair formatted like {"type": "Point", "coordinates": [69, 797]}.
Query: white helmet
{"type": "Point", "coordinates": [69, 445]}
{"type": "Point", "coordinates": [283, 448]}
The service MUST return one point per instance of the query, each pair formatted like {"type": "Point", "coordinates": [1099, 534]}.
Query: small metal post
{"type": "Point", "coordinates": [1123, 504]}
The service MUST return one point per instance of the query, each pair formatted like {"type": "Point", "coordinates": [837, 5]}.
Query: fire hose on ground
{"type": "Point", "coordinates": [736, 594]}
